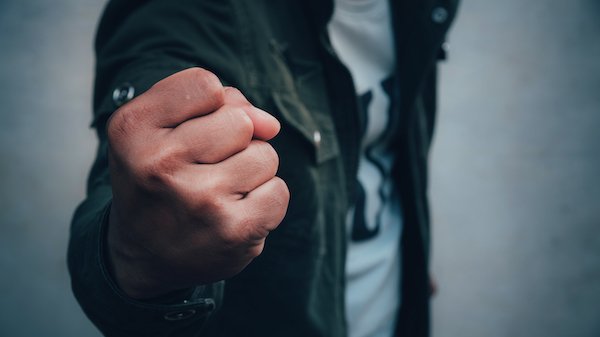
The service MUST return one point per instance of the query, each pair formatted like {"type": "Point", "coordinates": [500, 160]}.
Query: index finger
{"type": "Point", "coordinates": [180, 97]}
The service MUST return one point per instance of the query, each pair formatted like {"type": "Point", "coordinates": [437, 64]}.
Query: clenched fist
{"type": "Point", "coordinates": [194, 186]}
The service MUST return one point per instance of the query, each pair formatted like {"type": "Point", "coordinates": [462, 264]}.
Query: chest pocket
{"type": "Point", "coordinates": [300, 98]}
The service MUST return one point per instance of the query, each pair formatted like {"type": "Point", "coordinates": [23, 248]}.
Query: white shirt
{"type": "Point", "coordinates": [361, 34]}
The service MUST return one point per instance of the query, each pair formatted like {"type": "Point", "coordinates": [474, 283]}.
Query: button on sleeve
{"type": "Point", "coordinates": [439, 15]}
{"type": "Point", "coordinates": [123, 94]}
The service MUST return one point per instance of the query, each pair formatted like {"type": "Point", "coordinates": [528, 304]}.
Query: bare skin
{"type": "Point", "coordinates": [194, 186]}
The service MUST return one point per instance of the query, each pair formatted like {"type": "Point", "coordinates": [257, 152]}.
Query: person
{"type": "Point", "coordinates": [261, 169]}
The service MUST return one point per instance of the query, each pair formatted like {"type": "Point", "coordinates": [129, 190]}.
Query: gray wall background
{"type": "Point", "coordinates": [514, 189]}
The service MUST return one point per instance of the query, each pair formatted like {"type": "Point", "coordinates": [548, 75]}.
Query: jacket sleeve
{"type": "Point", "coordinates": [139, 43]}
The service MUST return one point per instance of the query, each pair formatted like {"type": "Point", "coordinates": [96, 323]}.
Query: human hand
{"type": "Point", "coordinates": [194, 186]}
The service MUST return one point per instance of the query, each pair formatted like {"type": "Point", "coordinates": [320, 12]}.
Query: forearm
{"type": "Point", "coordinates": [113, 312]}
{"type": "Point", "coordinates": [137, 47]}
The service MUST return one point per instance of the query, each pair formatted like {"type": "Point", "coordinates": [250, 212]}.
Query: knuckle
{"type": "Point", "coordinates": [208, 83]}
{"type": "Point", "coordinates": [121, 123]}
{"type": "Point", "coordinates": [233, 238]}
{"type": "Point", "coordinates": [233, 92]}
{"type": "Point", "coordinates": [207, 77]}
{"type": "Point", "coordinates": [235, 96]}
{"type": "Point", "coordinates": [268, 155]}
{"type": "Point", "coordinates": [243, 229]}
{"type": "Point", "coordinates": [157, 170]}
{"type": "Point", "coordinates": [277, 199]}
{"type": "Point", "coordinates": [281, 192]}
{"type": "Point", "coordinates": [212, 186]}
{"type": "Point", "coordinates": [243, 123]}
{"type": "Point", "coordinates": [205, 202]}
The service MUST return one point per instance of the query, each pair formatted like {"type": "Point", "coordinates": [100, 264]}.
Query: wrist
{"type": "Point", "coordinates": [125, 264]}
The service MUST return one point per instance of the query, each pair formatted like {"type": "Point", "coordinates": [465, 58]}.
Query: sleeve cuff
{"type": "Point", "coordinates": [113, 312]}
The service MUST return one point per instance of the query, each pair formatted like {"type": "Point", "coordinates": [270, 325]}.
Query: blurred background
{"type": "Point", "coordinates": [515, 184]}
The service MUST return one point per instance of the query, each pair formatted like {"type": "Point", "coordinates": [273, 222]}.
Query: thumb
{"type": "Point", "coordinates": [265, 125]}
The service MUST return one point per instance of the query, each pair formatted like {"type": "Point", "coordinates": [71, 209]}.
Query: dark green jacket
{"type": "Point", "coordinates": [278, 54]}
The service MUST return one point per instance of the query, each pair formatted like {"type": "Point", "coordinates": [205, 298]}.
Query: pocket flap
{"type": "Point", "coordinates": [316, 127]}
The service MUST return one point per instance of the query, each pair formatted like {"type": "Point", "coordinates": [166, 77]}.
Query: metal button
{"type": "Point", "coordinates": [443, 52]}
{"type": "Point", "coordinates": [180, 315]}
{"type": "Point", "coordinates": [439, 15]}
{"type": "Point", "coordinates": [317, 138]}
{"type": "Point", "coordinates": [123, 94]}
{"type": "Point", "coordinates": [210, 304]}
{"type": "Point", "coordinates": [445, 46]}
